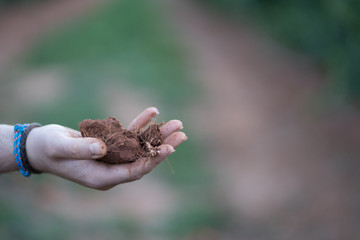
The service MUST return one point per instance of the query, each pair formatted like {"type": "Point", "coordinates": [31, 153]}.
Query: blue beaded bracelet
{"type": "Point", "coordinates": [21, 132]}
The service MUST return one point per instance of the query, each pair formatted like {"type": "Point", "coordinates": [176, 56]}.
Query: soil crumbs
{"type": "Point", "coordinates": [123, 146]}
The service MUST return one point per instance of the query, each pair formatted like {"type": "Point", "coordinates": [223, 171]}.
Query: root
{"type": "Point", "coordinates": [153, 151]}
{"type": "Point", "coordinates": [124, 145]}
{"type": "Point", "coordinates": [170, 166]}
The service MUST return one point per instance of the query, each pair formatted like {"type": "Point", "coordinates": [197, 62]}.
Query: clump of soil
{"type": "Point", "coordinates": [123, 145]}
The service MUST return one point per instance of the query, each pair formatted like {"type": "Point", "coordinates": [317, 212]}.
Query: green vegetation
{"type": "Point", "coordinates": [124, 42]}
{"type": "Point", "coordinates": [327, 30]}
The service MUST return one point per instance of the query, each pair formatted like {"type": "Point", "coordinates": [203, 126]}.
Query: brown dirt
{"type": "Point", "coordinates": [123, 145]}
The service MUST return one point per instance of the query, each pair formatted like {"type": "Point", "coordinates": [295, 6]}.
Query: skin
{"type": "Point", "coordinates": [63, 152]}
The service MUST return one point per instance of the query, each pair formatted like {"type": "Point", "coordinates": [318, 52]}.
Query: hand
{"type": "Point", "coordinates": [62, 151]}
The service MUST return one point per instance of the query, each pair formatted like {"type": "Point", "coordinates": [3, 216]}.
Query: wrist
{"type": "Point", "coordinates": [20, 138]}
{"type": "Point", "coordinates": [32, 150]}
{"type": "Point", "coordinates": [7, 158]}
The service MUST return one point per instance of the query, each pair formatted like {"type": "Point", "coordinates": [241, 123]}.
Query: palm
{"type": "Point", "coordinates": [73, 163]}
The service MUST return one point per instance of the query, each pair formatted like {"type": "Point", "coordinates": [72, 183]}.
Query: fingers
{"type": "Point", "coordinates": [143, 118]}
{"type": "Point", "coordinates": [117, 174]}
{"type": "Point", "coordinates": [175, 139]}
{"type": "Point", "coordinates": [78, 148]}
{"type": "Point", "coordinates": [170, 127]}
{"type": "Point", "coordinates": [145, 165]}
{"type": "Point", "coordinates": [108, 176]}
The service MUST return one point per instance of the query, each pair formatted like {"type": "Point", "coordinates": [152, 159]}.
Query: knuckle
{"type": "Point", "coordinates": [175, 122]}
{"type": "Point", "coordinates": [182, 136]}
{"type": "Point", "coordinates": [72, 149]}
{"type": "Point", "coordinates": [179, 135]}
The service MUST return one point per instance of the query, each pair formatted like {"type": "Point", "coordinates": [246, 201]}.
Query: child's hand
{"type": "Point", "coordinates": [62, 151]}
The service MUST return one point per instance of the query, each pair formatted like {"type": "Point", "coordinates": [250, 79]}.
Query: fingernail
{"type": "Point", "coordinates": [171, 149]}
{"type": "Point", "coordinates": [96, 149]}
{"type": "Point", "coordinates": [157, 111]}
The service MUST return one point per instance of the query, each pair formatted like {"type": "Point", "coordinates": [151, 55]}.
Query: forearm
{"type": "Point", "coordinates": [7, 158]}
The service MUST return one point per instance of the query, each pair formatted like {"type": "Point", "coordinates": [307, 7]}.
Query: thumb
{"type": "Point", "coordinates": [80, 148]}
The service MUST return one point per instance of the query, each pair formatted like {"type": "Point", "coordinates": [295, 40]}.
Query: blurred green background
{"type": "Point", "coordinates": [328, 31]}
{"type": "Point", "coordinates": [249, 79]}
{"type": "Point", "coordinates": [121, 45]}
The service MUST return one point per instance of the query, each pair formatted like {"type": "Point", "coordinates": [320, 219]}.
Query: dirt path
{"type": "Point", "coordinates": [281, 165]}
{"type": "Point", "coordinates": [21, 25]}
{"type": "Point", "coordinates": [277, 156]}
